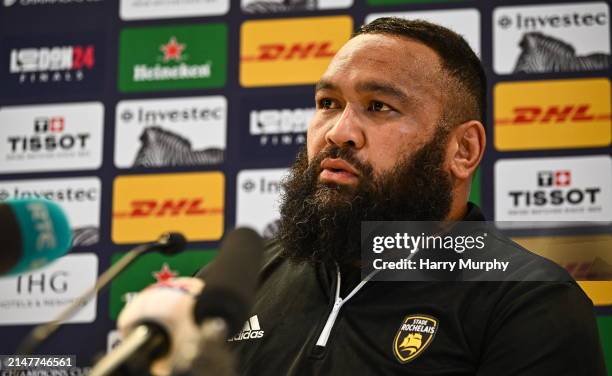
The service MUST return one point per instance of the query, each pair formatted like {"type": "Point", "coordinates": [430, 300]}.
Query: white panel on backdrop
{"type": "Point", "coordinates": [552, 32]}
{"type": "Point", "coordinates": [191, 123]}
{"type": "Point", "coordinates": [79, 197]}
{"type": "Point", "coordinates": [153, 9]}
{"type": "Point", "coordinates": [41, 295]}
{"type": "Point", "coordinates": [54, 137]}
{"type": "Point", "coordinates": [465, 22]}
{"type": "Point", "coordinates": [269, 6]}
{"type": "Point", "coordinates": [257, 203]}
{"type": "Point", "coordinates": [564, 189]}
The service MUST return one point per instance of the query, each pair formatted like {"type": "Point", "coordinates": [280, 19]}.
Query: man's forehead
{"type": "Point", "coordinates": [401, 62]}
{"type": "Point", "coordinates": [388, 52]}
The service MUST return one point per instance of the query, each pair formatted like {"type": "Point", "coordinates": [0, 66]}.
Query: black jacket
{"type": "Point", "coordinates": [417, 328]}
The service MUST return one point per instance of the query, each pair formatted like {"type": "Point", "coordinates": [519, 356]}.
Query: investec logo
{"type": "Point", "coordinates": [183, 128]}
{"type": "Point", "coordinates": [250, 330]}
{"type": "Point", "coordinates": [286, 126]}
{"type": "Point", "coordinates": [63, 63]}
{"type": "Point", "coordinates": [145, 206]}
{"type": "Point", "coordinates": [78, 197]}
{"type": "Point", "coordinates": [552, 114]}
{"type": "Point", "coordinates": [191, 56]}
{"type": "Point", "coordinates": [290, 51]}
{"type": "Point", "coordinates": [559, 189]}
{"type": "Point", "coordinates": [258, 193]}
{"type": "Point", "coordinates": [551, 38]}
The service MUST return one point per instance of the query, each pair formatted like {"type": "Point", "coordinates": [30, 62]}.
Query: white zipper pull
{"type": "Point", "coordinates": [338, 303]}
{"type": "Point", "coordinates": [331, 319]}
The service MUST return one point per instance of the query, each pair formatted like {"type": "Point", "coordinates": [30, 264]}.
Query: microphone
{"type": "Point", "coordinates": [169, 243]}
{"type": "Point", "coordinates": [231, 280]}
{"type": "Point", "coordinates": [33, 233]}
{"type": "Point", "coordinates": [170, 328]}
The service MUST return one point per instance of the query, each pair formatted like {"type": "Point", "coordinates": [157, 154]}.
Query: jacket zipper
{"type": "Point", "coordinates": [338, 303]}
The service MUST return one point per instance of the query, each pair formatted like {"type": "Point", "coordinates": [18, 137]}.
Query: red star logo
{"type": "Point", "coordinates": [563, 178]}
{"type": "Point", "coordinates": [164, 274]}
{"type": "Point", "coordinates": [172, 50]}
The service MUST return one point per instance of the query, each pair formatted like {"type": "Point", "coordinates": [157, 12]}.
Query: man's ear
{"type": "Point", "coordinates": [466, 145]}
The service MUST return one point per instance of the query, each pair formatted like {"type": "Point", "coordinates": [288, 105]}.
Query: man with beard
{"type": "Point", "coordinates": [397, 135]}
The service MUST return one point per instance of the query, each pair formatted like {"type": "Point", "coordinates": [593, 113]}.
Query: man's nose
{"type": "Point", "coordinates": [346, 130]}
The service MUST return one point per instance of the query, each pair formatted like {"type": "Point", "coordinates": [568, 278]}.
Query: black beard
{"type": "Point", "coordinates": [322, 222]}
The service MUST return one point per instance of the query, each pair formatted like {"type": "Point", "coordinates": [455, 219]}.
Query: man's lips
{"type": "Point", "coordinates": [338, 171]}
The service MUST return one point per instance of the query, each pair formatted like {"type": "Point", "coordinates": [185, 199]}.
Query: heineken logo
{"type": "Point", "coordinates": [153, 268]}
{"type": "Point", "coordinates": [173, 57]}
{"type": "Point", "coordinates": [172, 51]}
{"type": "Point", "coordinates": [164, 274]}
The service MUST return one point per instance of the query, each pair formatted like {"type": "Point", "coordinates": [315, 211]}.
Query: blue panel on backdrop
{"type": "Point", "coordinates": [48, 65]}
{"type": "Point", "coordinates": [273, 127]}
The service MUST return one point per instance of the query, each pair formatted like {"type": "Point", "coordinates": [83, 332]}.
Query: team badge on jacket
{"type": "Point", "coordinates": [414, 336]}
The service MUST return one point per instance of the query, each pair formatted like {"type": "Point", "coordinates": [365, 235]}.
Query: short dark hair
{"type": "Point", "coordinates": [468, 102]}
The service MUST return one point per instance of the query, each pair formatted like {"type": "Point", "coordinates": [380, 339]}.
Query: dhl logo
{"type": "Point", "coordinates": [284, 52]}
{"type": "Point", "coordinates": [145, 206]}
{"type": "Point", "coordinates": [299, 51]}
{"type": "Point", "coordinates": [552, 114]}
{"type": "Point", "coordinates": [168, 208]}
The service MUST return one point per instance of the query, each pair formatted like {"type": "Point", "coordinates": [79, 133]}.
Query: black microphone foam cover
{"type": "Point", "coordinates": [10, 239]}
{"type": "Point", "coordinates": [231, 279]}
{"type": "Point", "coordinates": [171, 243]}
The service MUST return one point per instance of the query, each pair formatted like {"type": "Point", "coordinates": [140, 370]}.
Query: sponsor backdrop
{"type": "Point", "coordinates": [141, 116]}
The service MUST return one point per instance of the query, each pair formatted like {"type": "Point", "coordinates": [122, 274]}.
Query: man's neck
{"type": "Point", "coordinates": [457, 211]}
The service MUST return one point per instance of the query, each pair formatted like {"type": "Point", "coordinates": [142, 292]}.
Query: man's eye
{"type": "Point", "coordinates": [377, 106]}
{"type": "Point", "coordinates": [326, 103]}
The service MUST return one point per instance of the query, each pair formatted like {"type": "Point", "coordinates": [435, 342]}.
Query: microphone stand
{"type": "Point", "coordinates": [42, 332]}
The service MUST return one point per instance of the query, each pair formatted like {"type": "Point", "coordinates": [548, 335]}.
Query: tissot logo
{"type": "Point", "coordinates": [561, 178]}
{"type": "Point", "coordinates": [47, 64]}
{"type": "Point", "coordinates": [79, 197]}
{"type": "Point", "coordinates": [145, 206]}
{"type": "Point", "coordinates": [552, 114]}
{"type": "Point", "coordinates": [39, 296]}
{"type": "Point", "coordinates": [51, 137]}
{"type": "Point", "coordinates": [175, 57]}
{"type": "Point", "coordinates": [283, 52]}
{"type": "Point", "coordinates": [170, 132]}
{"type": "Point", "coordinates": [552, 38]}
{"type": "Point", "coordinates": [555, 197]}
{"type": "Point", "coordinates": [554, 189]}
